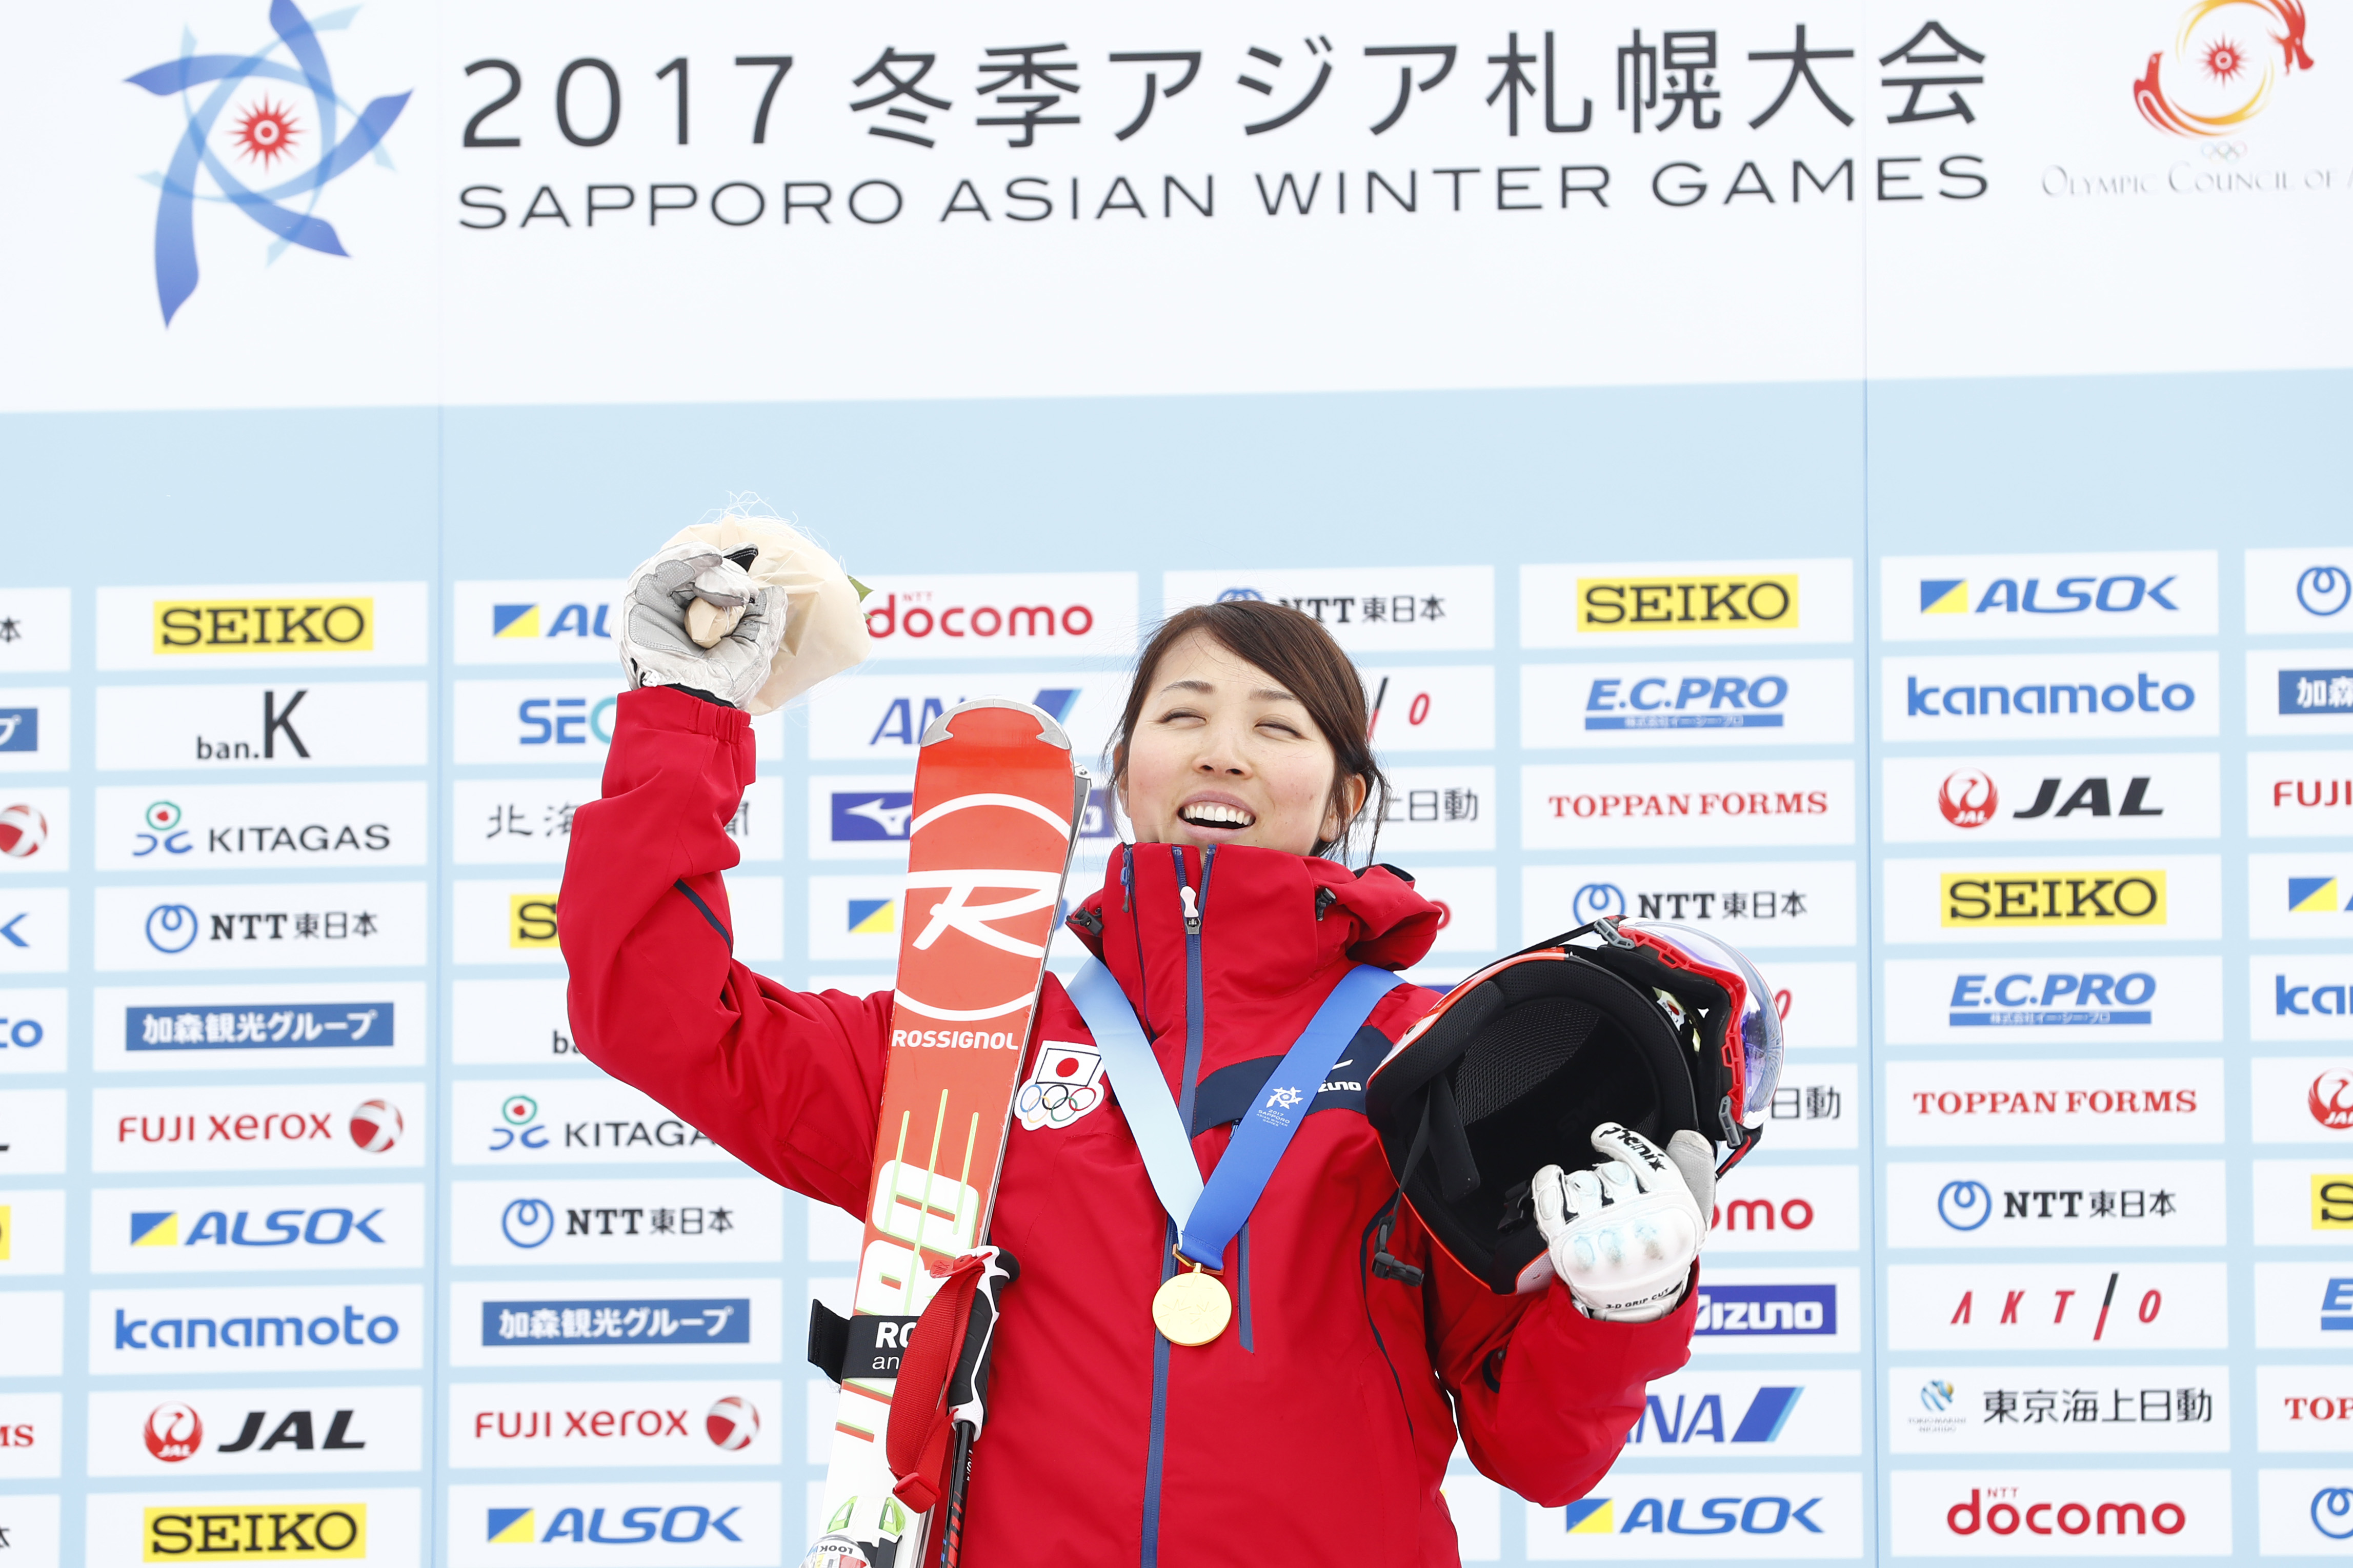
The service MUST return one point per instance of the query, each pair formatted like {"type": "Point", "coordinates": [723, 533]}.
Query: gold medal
{"type": "Point", "coordinates": [1191, 1308]}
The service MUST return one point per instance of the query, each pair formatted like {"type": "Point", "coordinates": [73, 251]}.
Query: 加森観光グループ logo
{"type": "Point", "coordinates": [2223, 71]}
{"type": "Point", "coordinates": [258, 128]}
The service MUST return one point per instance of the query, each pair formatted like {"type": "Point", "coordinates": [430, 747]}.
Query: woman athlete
{"type": "Point", "coordinates": [1317, 1428]}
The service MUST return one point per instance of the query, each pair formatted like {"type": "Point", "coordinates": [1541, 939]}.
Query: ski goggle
{"type": "Point", "coordinates": [1752, 1041]}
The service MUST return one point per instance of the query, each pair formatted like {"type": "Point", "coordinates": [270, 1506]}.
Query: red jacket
{"type": "Point", "coordinates": [1315, 1430]}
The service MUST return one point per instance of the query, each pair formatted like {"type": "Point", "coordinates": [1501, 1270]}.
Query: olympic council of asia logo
{"type": "Point", "coordinates": [263, 128]}
{"type": "Point", "coordinates": [2228, 71]}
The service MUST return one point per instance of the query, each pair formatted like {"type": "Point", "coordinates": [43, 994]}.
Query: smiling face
{"type": "Point", "coordinates": [1222, 755]}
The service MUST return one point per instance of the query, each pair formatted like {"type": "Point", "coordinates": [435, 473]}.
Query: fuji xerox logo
{"type": "Point", "coordinates": [233, 120]}
{"type": "Point", "coordinates": [2223, 74]}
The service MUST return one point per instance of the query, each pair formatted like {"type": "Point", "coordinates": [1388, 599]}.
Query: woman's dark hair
{"type": "Point", "coordinates": [1297, 651]}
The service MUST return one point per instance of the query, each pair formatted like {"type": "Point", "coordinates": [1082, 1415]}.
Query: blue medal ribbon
{"type": "Point", "coordinates": [1208, 1215]}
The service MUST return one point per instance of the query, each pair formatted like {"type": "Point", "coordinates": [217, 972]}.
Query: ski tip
{"type": "Point", "coordinates": [1050, 730]}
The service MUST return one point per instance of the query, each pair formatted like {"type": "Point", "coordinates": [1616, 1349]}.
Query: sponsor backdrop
{"type": "Point", "coordinates": [1842, 477]}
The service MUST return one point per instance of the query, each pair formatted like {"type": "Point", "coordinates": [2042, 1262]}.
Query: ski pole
{"type": "Point", "coordinates": [952, 1505]}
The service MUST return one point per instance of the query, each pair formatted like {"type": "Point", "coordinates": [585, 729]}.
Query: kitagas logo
{"type": "Point", "coordinates": [237, 129]}
{"type": "Point", "coordinates": [2224, 73]}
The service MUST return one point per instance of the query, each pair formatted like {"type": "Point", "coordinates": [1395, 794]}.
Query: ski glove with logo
{"type": "Point", "coordinates": [688, 589]}
{"type": "Point", "coordinates": [1623, 1234]}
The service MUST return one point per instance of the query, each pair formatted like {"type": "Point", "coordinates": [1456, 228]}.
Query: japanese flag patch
{"type": "Point", "coordinates": [1065, 1085]}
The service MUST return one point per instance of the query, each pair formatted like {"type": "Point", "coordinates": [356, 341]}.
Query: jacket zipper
{"type": "Point", "coordinates": [1191, 904]}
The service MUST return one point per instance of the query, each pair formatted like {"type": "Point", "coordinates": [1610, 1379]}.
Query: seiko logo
{"type": "Point", "coordinates": [2065, 898]}
{"type": "Point", "coordinates": [257, 1530]}
{"type": "Point", "coordinates": [1686, 604]}
{"type": "Point", "coordinates": [317, 626]}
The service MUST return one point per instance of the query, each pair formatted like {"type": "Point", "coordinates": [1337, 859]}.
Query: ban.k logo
{"type": "Point", "coordinates": [2223, 71]}
{"type": "Point", "coordinates": [269, 152]}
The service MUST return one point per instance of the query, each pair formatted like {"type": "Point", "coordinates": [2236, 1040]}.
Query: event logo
{"type": "Point", "coordinates": [869, 815]}
{"type": "Point", "coordinates": [2332, 1202]}
{"type": "Point", "coordinates": [267, 132]}
{"type": "Point", "coordinates": [2167, 1518]}
{"type": "Point", "coordinates": [215, 1025]}
{"type": "Point", "coordinates": [2228, 82]}
{"type": "Point", "coordinates": [2303, 691]}
{"type": "Point", "coordinates": [2332, 1513]}
{"type": "Point", "coordinates": [280, 1228]}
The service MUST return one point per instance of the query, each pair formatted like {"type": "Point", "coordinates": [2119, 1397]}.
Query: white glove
{"type": "Point", "coordinates": [657, 645]}
{"type": "Point", "coordinates": [1623, 1235]}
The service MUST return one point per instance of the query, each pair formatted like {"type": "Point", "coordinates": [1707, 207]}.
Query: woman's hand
{"type": "Point", "coordinates": [659, 646]}
{"type": "Point", "coordinates": [1623, 1234]}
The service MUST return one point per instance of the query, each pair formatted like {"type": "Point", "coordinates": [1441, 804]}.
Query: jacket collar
{"type": "Point", "coordinates": [1271, 924]}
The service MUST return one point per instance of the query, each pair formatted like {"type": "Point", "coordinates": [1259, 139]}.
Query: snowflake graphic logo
{"type": "Point", "coordinates": [209, 88]}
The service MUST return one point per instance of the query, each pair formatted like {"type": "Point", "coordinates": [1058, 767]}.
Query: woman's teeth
{"type": "Point", "coordinates": [1208, 814]}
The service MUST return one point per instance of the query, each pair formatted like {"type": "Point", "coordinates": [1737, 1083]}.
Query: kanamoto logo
{"type": "Point", "coordinates": [2224, 73]}
{"type": "Point", "coordinates": [245, 625]}
{"type": "Point", "coordinates": [267, 128]}
{"type": "Point", "coordinates": [1979, 900]}
{"type": "Point", "coordinates": [1732, 602]}
{"type": "Point", "coordinates": [256, 1530]}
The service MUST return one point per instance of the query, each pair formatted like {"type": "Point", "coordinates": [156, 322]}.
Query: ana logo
{"type": "Point", "coordinates": [376, 1125]}
{"type": "Point", "coordinates": [2330, 1100]}
{"type": "Point", "coordinates": [905, 719]}
{"type": "Point", "coordinates": [173, 1432]}
{"type": "Point", "coordinates": [2323, 590]}
{"type": "Point", "coordinates": [572, 620]}
{"type": "Point", "coordinates": [266, 132]}
{"type": "Point", "coordinates": [1967, 798]}
{"type": "Point", "coordinates": [1769, 1411]}
{"type": "Point", "coordinates": [1965, 1205]}
{"type": "Point", "coordinates": [2220, 82]}
{"type": "Point", "coordinates": [20, 729]}
{"type": "Point", "coordinates": [23, 831]}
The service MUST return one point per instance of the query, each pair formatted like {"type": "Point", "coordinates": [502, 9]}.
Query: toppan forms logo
{"type": "Point", "coordinates": [265, 131]}
{"type": "Point", "coordinates": [2229, 83]}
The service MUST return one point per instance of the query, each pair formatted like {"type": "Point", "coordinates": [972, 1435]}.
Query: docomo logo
{"type": "Point", "coordinates": [1754, 803]}
{"type": "Point", "coordinates": [1762, 1214]}
{"type": "Point", "coordinates": [917, 618]}
{"type": "Point", "coordinates": [2003, 1518]}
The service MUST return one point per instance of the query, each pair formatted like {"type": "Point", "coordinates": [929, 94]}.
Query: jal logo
{"type": "Point", "coordinates": [2034, 999]}
{"type": "Point", "coordinates": [277, 1227]}
{"type": "Point", "coordinates": [565, 721]}
{"type": "Point", "coordinates": [2315, 691]}
{"type": "Point", "coordinates": [520, 1126]}
{"type": "Point", "coordinates": [2113, 596]}
{"type": "Point", "coordinates": [1979, 900]}
{"type": "Point", "coordinates": [1695, 703]}
{"type": "Point", "coordinates": [1969, 798]}
{"type": "Point", "coordinates": [2332, 1202]}
{"type": "Point", "coordinates": [23, 831]}
{"type": "Point", "coordinates": [1767, 1412]}
{"type": "Point", "coordinates": [233, 625]}
{"type": "Point", "coordinates": [2330, 1100]}
{"type": "Point", "coordinates": [20, 730]}
{"type": "Point", "coordinates": [1712, 1516]}
{"type": "Point", "coordinates": [865, 817]}
{"type": "Point", "coordinates": [268, 129]}
{"type": "Point", "coordinates": [174, 1431]}
{"type": "Point", "coordinates": [906, 720]}
{"type": "Point", "coordinates": [2222, 72]}
{"type": "Point", "coordinates": [2324, 591]}
{"type": "Point", "coordinates": [258, 1530]}
{"type": "Point", "coordinates": [679, 1525]}
{"type": "Point", "coordinates": [526, 622]}
{"type": "Point", "coordinates": [1732, 602]}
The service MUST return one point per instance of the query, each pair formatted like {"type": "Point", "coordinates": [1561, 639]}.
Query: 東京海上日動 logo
{"type": "Point", "coordinates": [2223, 70]}
{"type": "Point", "coordinates": [259, 129]}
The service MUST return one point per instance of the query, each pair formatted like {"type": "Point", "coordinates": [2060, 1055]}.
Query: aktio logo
{"type": "Point", "coordinates": [2219, 82]}
{"type": "Point", "coordinates": [1967, 798]}
{"type": "Point", "coordinates": [173, 1432]}
{"type": "Point", "coordinates": [2008, 1518]}
{"type": "Point", "coordinates": [2330, 1100]}
{"type": "Point", "coordinates": [259, 131]}
{"type": "Point", "coordinates": [376, 1125]}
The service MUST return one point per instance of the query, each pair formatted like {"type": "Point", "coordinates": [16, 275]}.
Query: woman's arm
{"type": "Point", "coordinates": [1544, 1396]}
{"type": "Point", "coordinates": [788, 1083]}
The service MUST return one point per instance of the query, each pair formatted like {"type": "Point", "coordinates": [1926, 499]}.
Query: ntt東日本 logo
{"type": "Point", "coordinates": [2224, 72]}
{"type": "Point", "coordinates": [240, 130]}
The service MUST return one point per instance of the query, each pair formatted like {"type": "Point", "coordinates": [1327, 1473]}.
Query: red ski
{"type": "Point", "coordinates": [997, 805]}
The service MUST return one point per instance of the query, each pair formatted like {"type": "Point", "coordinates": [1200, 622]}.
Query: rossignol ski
{"type": "Point", "coordinates": [996, 806]}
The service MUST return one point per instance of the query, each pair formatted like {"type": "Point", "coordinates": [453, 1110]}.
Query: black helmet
{"type": "Point", "coordinates": [1657, 1027]}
